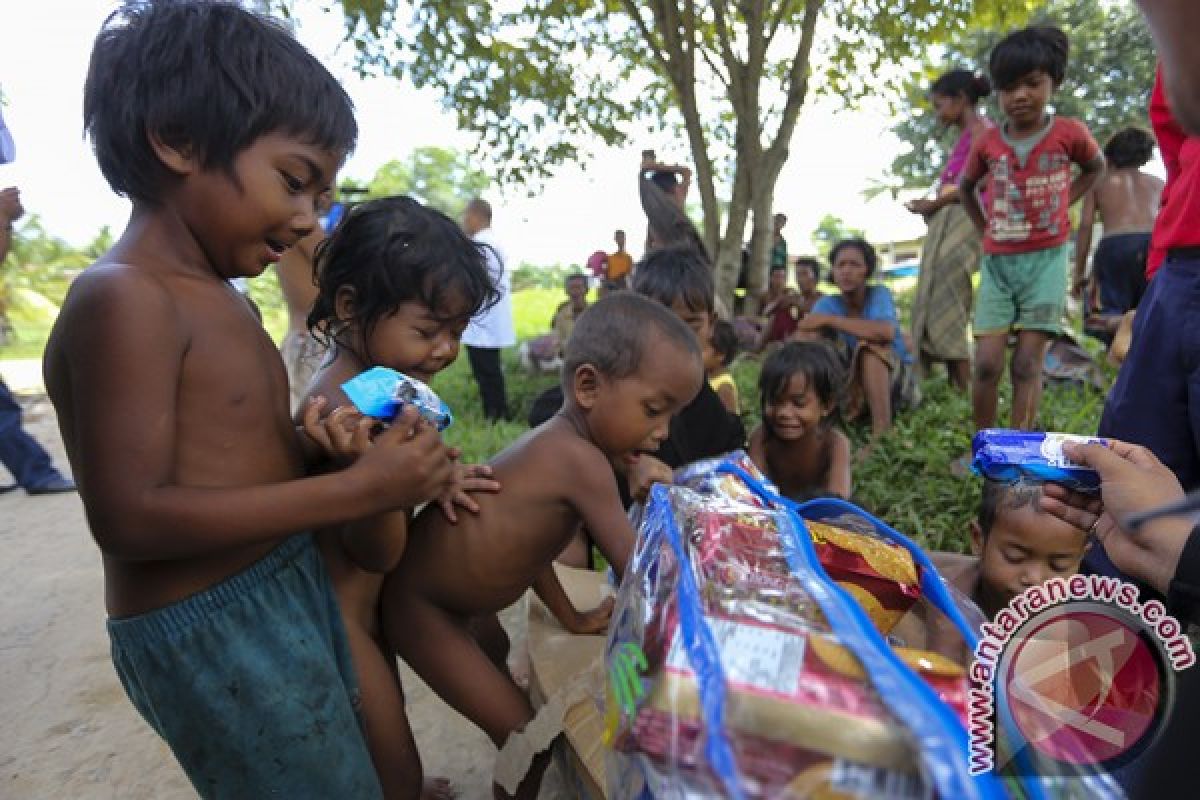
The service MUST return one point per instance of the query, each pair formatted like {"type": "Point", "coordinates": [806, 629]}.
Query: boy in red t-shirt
{"type": "Point", "coordinates": [1023, 285]}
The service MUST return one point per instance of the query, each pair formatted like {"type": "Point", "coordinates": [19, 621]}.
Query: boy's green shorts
{"type": "Point", "coordinates": [1021, 291]}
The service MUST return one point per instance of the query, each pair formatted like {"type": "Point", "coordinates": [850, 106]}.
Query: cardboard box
{"type": "Point", "coordinates": [556, 657]}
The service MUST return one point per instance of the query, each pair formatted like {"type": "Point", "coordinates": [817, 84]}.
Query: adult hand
{"type": "Point", "coordinates": [814, 322]}
{"type": "Point", "coordinates": [1132, 480]}
{"type": "Point", "coordinates": [10, 204]}
{"type": "Point", "coordinates": [922, 205]}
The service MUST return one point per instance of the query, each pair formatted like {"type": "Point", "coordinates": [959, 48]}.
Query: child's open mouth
{"type": "Point", "coordinates": [275, 249]}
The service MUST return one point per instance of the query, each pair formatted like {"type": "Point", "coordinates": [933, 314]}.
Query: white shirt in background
{"type": "Point", "coordinates": [494, 327]}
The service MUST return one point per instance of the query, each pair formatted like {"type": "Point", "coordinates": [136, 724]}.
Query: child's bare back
{"type": "Point", "coordinates": [552, 479]}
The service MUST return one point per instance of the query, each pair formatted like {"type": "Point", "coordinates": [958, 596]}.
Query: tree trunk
{"type": "Point", "coordinates": [729, 256]}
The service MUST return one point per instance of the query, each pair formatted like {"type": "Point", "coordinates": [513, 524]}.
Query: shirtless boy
{"type": "Point", "coordinates": [173, 405]}
{"type": "Point", "coordinates": [630, 365]}
{"type": "Point", "coordinates": [1126, 199]}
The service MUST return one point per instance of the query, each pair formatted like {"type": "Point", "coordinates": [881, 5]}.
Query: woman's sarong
{"type": "Point", "coordinates": [942, 306]}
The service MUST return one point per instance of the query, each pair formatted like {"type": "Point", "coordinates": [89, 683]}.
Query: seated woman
{"type": "Point", "coordinates": [777, 308]}
{"type": "Point", "coordinates": [862, 321]}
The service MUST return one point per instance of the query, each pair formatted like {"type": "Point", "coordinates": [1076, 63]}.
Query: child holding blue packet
{"type": "Point", "coordinates": [397, 284]}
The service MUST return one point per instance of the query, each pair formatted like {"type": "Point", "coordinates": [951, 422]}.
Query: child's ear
{"type": "Point", "coordinates": [343, 303]}
{"type": "Point", "coordinates": [177, 158]}
{"type": "Point", "coordinates": [585, 383]}
{"type": "Point", "coordinates": [976, 538]}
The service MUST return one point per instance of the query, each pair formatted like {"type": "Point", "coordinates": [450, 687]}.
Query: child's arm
{"type": "Point", "coordinates": [1083, 244]}
{"type": "Point", "coordinates": [592, 491]}
{"type": "Point", "coordinates": [124, 439]}
{"type": "Point", "coordinates": [728, 395]}
{"type": "Point", "coordinates": [973, 173]}
{"type": "Point", "coordinates": [970, 202]}
{"type": "Point", "coordinates": [550, 591]}
{"type": "Point", "coordinates": [1090, 174]}
{"type": "Point", "coordinates": [839, 481]}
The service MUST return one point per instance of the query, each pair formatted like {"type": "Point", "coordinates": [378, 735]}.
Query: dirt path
{"type": "Point", "coordinates": [68, 730]}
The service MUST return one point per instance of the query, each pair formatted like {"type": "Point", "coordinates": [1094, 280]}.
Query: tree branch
{"type": "Point", "coordinates": [797, 84]}
{"type": "Point", "coordinates": [781, 13]}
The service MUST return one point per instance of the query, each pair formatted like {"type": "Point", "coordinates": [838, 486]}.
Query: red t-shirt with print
{"type": "Point", "coordinates": [1028, 198]}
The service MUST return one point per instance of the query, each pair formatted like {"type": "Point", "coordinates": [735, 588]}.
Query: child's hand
{"type": "Point", "coordinates": [644, 473]}
{"type": "Point", "coordinates": [467, 478]}
{"type": "Point", "coordinates": [407, 464]}
{"type": "Point", "coordinates": [343, 435]}
{"type": "Point", "coordinates": [594, 621]}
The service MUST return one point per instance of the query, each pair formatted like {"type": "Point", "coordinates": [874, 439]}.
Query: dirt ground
{"type": "Point", "coordinates": [68, 730]}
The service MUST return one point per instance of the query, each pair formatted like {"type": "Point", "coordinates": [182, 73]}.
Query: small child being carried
{"type": "Point", "coordinates": [797, 445]}
{"type": "Point", "coordinates": [629, 366]}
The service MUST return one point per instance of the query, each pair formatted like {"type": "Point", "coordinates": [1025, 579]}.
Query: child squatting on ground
{"type": "Point", "coordinates": [798, 445]}
{"type": "Point", "coordinates": [173, 405]}
{"type": "Point", "coordinates": [397, 284]}
{"type": "Point", "coordinates": [1027, 160]}
{"type": "Point", "coordinates": [629, 366]}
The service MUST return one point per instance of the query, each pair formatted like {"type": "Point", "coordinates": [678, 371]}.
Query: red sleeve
{"type": "Point", "coordinates": [1170, 136]}
{"type": "Point", "coordinates": [1083, 147]}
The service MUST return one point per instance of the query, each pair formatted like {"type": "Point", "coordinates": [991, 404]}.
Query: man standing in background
{"type": "Point", "coordinates": [491, 330]}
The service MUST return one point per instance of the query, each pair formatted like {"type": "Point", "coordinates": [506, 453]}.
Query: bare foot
{"type": "Point", "coordinates": [438, 789]}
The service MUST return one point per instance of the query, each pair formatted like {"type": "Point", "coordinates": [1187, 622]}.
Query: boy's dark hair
{"type": "Point", "coordinates": [676, 273]}
{"type": "Point", "coordinates": [725, 341]}
{"type": "Point", "coordinates": [207, 77]}
{"type": "Point", "coordinates": [962, 82]}
{"type": "Point", "coordinates": [863, 246]}
{"type": "Point", "coordinates": [392, 251]}
{"type": "Point", "coordinates": [574, 276]}
{"type": "Point", "coordinates": [1009, 495]}
{"type": "Point", "coordinates": [1129, 147]}
{"type": "Point", "coordinates": [816, 361]}
{"type": "Point", "coordinates": [613, 334]}
{"type": "Point", "coordinates": [1039, 47]}
{"type": "Point", "coordinates": [810, 262]}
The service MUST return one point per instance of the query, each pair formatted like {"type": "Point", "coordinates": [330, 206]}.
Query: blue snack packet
{"type": "Point", "coordinates": [382, 393]}
{"type": "Point", "coordinates": [1008, 455]}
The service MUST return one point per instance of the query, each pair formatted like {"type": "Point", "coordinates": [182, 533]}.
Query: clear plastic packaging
{"type": "Point", "coordinates": [747, 656]}
{"type": "Point", "coordinates": [382, 393]}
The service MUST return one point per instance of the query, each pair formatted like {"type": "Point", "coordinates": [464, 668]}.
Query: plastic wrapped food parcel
{"type": "Point", "coordinates": [750, 657]}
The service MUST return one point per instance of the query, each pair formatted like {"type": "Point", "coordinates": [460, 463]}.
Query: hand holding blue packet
{"type": "Point", "coordinates": [1008, 455]}
{"type": "Point", "coordinates": [382, 393]}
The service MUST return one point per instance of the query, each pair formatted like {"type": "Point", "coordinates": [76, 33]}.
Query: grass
{"type": "Point", "coordinates": [906, 480]}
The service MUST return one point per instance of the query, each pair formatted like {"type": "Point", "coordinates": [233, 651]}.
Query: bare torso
{"type": "Point", "coordinates": [487, 561]}
{"type": "Point", "coordinates": [230, 423]}
{"type": "Point", "coordinates": [1127, 201]}
{"type": "Point", "coordinates": [798, 469]}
